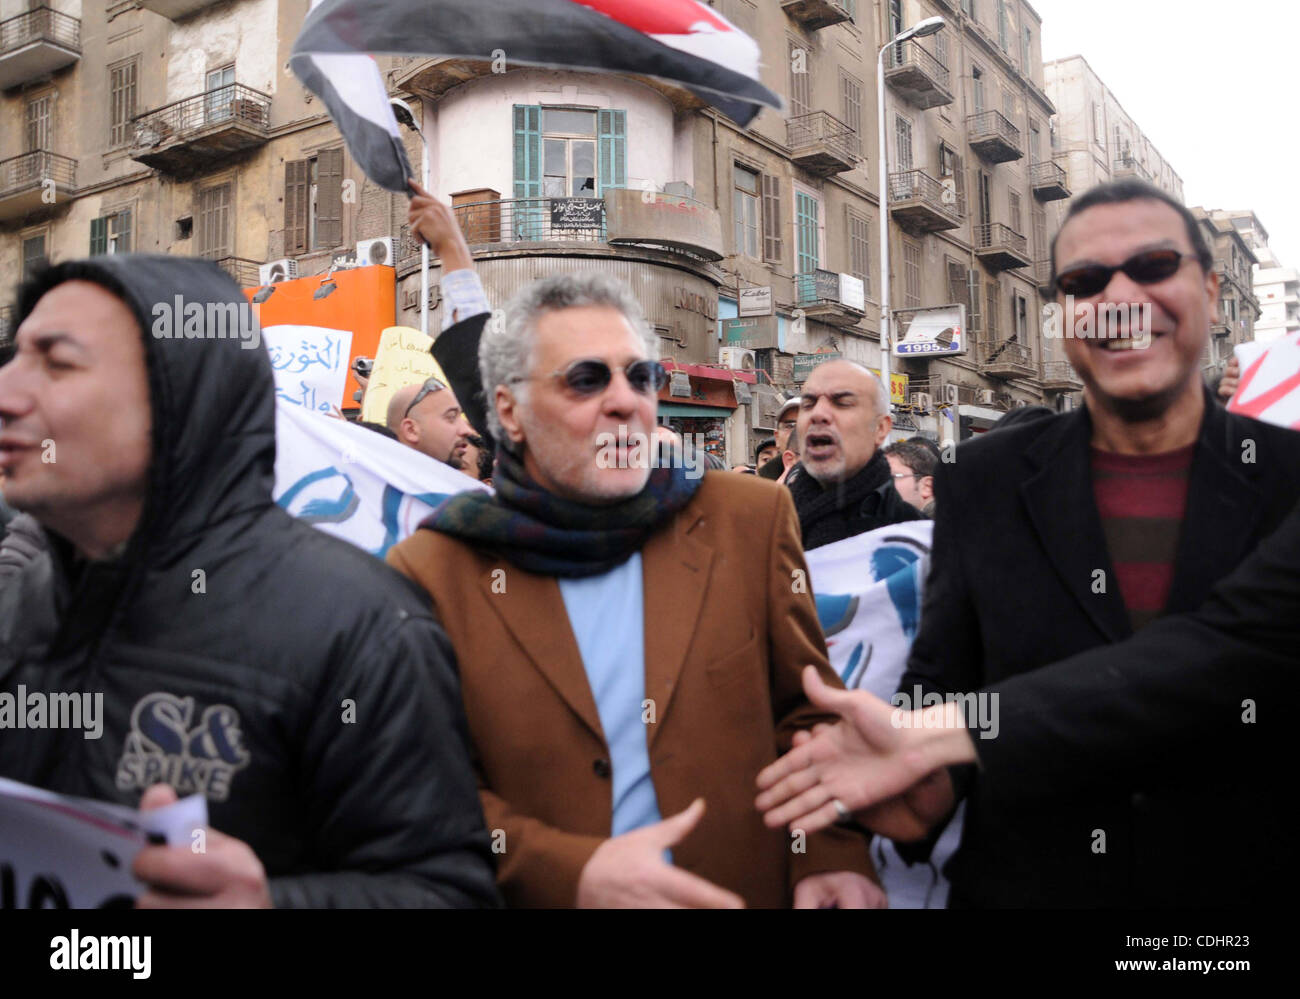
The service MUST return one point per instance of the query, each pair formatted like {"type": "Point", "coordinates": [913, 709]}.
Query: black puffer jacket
{"type": "Point", "coordinates": [296, 681]}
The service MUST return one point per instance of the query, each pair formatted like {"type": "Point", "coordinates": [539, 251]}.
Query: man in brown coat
{"type": "Point", "coordinates": [630, 636]}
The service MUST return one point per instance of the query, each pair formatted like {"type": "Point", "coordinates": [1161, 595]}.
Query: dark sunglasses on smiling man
{"type": "Point", "coordinates": [588, 376]}
{"type": "Point", "coordinates": [1147, 267]}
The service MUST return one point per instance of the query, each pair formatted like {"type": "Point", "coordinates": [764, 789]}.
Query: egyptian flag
{"type": "Point", "coordinates": [683, 41]}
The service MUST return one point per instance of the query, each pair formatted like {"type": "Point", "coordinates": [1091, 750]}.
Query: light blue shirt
{"type": "Point", "coordinates": [607, 614]}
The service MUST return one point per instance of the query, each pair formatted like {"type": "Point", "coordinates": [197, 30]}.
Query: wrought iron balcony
{"type": "Point", "coordinates": [922, 203]}
{"type": "Point", "coordinates": [818, 294]}
{"type": "Point", "coordinates": [30, 181]}
{"type": "Point", "coordinates": [1006, 359]}
{"type": "Point", "coordinates": [1048, 181]}
{"type": "Point", "coordinates": [821, 143]}
{"type": "Point", "coordinates": [1059, 376]}
{"type": "Point", "coordinates": [1128, 166]}
{"type": "Point", "coordinates": [918, 77]}
{"type": "Point", "coordinates": [993, 137]}
{"type": "Point", "coordinates": [1000, 247]}
{"type": "Point", "coordinates": [815, 14]}
{"type": "Point", "coordinates": [244, 271]}
{"type": "Point", "coordinates": [1043, 276]}
{"type": "Point", "coordinates": [176, 9]}
{"type": "Point", "coordinates": [188, 135]}
{"type": "Point", "coordinates": [36, 43]}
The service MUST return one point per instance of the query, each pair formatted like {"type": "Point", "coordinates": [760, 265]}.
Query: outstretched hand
{"type": "Point", "coordinates": [873, 758]}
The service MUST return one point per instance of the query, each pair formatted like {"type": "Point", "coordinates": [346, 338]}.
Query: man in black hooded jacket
{"type": "Point", "coordinates": [296, 682]}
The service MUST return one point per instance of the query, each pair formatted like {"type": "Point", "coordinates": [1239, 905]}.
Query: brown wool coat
{"type": "Point", "coordinates": [729, 625]}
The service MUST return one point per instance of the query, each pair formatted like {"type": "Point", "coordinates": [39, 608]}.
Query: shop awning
{"type": "Point", "coordinates": [699, 412]}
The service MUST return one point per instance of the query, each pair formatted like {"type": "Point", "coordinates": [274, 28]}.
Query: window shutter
{"type": "Point", "coordinates": [98, 236]}
{"type": "Point", "coordinates": [991, 309]}
{"type": "Point", "coordinates": [973, 298]}
{"type": "Point", "coordinates": [123, 231]}
{"type": "Point", "coordinates": [329, 198]}
{"type": "Point", "coordinates": [612, 149]}
{"type": "Point", "coordinates": [773, 249]}
{"type": "Point", "coordinates": [528, 151]}
{"type": "Point", "coordinates": [295, 206]}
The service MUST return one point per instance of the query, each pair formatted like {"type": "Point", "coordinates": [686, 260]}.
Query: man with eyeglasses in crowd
{"type": "Point", "coordinates": [1074, 531]}
{"type": "Point", "coordinates": [428, 419]}
{"type": "Point", "coordinates": [630, 634]}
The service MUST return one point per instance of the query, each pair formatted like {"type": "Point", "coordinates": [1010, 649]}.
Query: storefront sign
{"type": "Point", "coordinates": [577, 213]}
{"type": "Point", "coordinates": [755, 301]}
{"type": "Point", "coordinates": [757, 332]}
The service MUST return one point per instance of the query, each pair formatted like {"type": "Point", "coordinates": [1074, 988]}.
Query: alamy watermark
{"type": "Point", "coordinates": [182, 320]}
{"type": "Point", "coordinates": [979, 709]}
{"type": "Point", "coordinates": [36, 710]}
{"type": "Point", "coordinates": [642, 450]}
{"type": "Point", "coordinates": [1103, 321]}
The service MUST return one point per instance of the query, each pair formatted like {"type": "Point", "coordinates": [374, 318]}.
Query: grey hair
{"type": "Point", "coordinates": [505, 351]}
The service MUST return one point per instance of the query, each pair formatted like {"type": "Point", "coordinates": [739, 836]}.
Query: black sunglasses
{"type": "Point", "coordinates": [589, 376]}
{"type": "Point", "coordinates": [1144, 268]}
{"type": "Point", "coordinates": [430, 386]}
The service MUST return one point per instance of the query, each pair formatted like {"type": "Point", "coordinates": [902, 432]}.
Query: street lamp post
{"type": "Point", "coordinates": [922, 28]}
{"type": "Point", "coordinates": [402, 112]}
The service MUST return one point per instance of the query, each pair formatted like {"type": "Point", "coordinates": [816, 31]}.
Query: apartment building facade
{"type": "Point", "coordinates": [1277, 287]}
{"type": "Point", "coordinates": [1234, 262]}
{"type": "Point", "coordinates": [174, 126]}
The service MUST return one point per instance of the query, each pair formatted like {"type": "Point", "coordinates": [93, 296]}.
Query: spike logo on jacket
{"type": "Point", "coordinates": [163, 747]}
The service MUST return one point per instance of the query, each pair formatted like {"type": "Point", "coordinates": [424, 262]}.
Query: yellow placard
{"type": "Point", "coordinates": [403, 358]}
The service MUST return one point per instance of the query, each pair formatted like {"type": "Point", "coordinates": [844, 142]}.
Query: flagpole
{"type": "Point", "coordinates": [424, 246]}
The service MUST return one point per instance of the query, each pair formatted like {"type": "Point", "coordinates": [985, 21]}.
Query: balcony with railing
{"type": "Point", "coordinates": [821, 143]}
{"type": "Point", "coordinates": [36, 43]}
{"type": "Point", "coordinates": [922, 203]}
{"type": "Point", "coordinates": [917, 76]}
{"type": "Point", "coordinates": [1048, 181]}
{"type": "Point", "coordinates": [817, 293]}
{"type": "Point", "coordinates": [243, 270]}
{"type": "Point", "coordinates": [993, 137]}
{"type": "Point", "coordinates": [1003, 358]}
{"type": "Point", "coordinates": [1000, 247]}
{"type": "Point", "coordinates": [1128, 166]}
{"type": "Point", "coordinates": [188, 135]}
{"type": "Point", "coordinates": [621, 219]}
{"type": "Point", "coordinates": [815, 14]}
{"type": "Point", "coordinates": [1043, 276]}
{"type": "Point", "coordinates": [174, 10]}
{"type": "Point", "coordinates": [34, 180]}
{"type": "Point", "coordinates": [1059, 376]}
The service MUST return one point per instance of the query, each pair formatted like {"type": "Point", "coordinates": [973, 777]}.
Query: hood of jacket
{"type": "Point", "coordinates": [211, 390]}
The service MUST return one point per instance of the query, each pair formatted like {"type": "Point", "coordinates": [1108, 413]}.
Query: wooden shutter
{"type": "Point", "coordinates": [974, 319]}
{"type": "Point", "coordinates": [98, 236]}
{"type": "Point", "coordinates": [612, 149]}
{"type": "Point", "coordinates": [773, 248]}
{"type": "Point", "coordinates": [528, 151]}
{"type": "Point", "coordinates": [956, 281]}
{"type": "Point", "coordinates": [296, 206]}
{"type": "Point", "coordinates": [329, 198]}
{"type": "Point", "coordinates": [991, 310]}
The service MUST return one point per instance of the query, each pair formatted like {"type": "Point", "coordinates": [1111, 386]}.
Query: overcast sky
{"type": "Point", "coordinates": [1214, 84]}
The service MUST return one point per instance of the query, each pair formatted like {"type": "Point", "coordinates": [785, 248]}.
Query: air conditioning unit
{"type": "Point", "coordinates": [276, 271]}
{"type": "Point", "coordinates": [922, 401]}
{"type": "Point", "coordinates": [737, 358]}
{"type": "Point", "coordinates": [951, 395]}
{"type": "Point", "coordinates": [1019, 404]}
{"type": "Point", "coordinates": [375, 251]}
{"type": "Point", "coordinates": [984, 397]}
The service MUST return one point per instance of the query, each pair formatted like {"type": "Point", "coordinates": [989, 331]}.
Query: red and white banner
{"type": "Point", "coordinates": [1270, 381]}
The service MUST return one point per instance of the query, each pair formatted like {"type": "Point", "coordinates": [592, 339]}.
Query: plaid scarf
{"type": "Point", "coordinates": [540, 532]}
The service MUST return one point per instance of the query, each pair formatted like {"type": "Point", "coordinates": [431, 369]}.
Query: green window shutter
{"type": "Point", "coordinates": [98, 236]}
{"type": "Point", "coordinates": [612, 130]}
{"type": "Point", "coordinates": [807, 225]}
{"type": "Point", "coordinates": [528, 151]}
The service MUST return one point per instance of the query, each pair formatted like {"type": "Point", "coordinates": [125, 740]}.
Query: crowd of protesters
{"type": "Point", "coordinates": [600, 683]}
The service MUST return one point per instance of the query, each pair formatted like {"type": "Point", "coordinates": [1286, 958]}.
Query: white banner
{"type": "Point", "coordinates": [356, 484]}
{"type": "Point", "coordinates": [1270, 381]}
{"type": "Point", "coordinates": [310, 364]}
{"type": "Point", "coordinates": [868, 590]}
{"type": "Point", "coordinates": [58, 852]}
